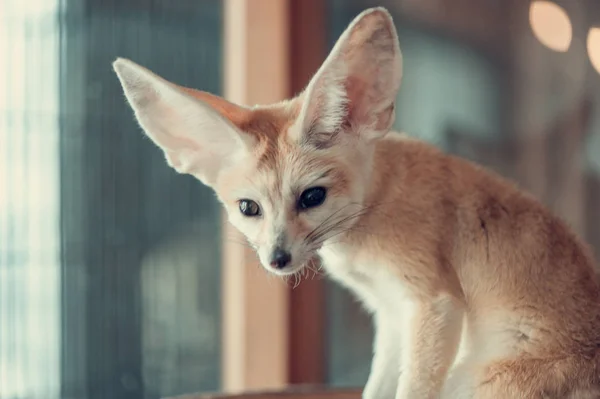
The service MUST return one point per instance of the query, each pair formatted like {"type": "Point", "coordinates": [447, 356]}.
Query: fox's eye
{"type": "Point", "coordinates": [249, 208]}
{"type": "Point", "coordinates": [312, 197]}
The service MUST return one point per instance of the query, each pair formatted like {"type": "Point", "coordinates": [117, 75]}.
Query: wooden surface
{"type": "Point", "coordinates": [273, 336]}
{"type": "Point", "coordinates": [299, 393]}
{"type": "Point", "coordinates": [255, 304]}
{"type": "Point", "coordinates": [307, 318]}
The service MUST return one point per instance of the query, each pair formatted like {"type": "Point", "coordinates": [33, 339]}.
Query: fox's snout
{"type": "Point", "coordinates": [280, 258]}
{"type": "Point", "coordinates": [278, 253]}
{"type": "Point", "coordinates": [282, 255]}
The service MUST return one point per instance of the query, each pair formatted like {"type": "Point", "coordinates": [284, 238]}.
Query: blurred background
{"type": "Point", "coordinates": [118, 277]}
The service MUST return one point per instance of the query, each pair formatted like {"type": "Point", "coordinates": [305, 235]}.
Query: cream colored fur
{"type": "Point", "coordinates": [476, 289]}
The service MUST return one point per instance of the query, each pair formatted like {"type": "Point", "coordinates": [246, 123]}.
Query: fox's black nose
{"type": "Point", "coordinates": [280, 258]}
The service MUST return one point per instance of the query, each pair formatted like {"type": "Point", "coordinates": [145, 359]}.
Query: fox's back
{"type": "Point", "coordinates": [508, 251]}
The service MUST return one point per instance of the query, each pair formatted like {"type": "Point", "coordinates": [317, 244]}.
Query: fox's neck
{"type": "Point", "coordinates": [384, 177]}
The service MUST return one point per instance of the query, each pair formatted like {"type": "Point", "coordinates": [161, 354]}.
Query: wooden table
{"type": "Point", "coordinates": [295, 393]}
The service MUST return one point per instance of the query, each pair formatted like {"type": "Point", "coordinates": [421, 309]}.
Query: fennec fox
{"type": "Point", "coordinates": [476, 289]}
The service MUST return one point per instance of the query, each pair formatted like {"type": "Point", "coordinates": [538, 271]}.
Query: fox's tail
{"type": "Point", "coordinates": [569, 377]}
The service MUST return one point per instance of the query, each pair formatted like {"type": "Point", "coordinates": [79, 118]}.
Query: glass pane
{"type": "Point", "coordinates": [483, 81]}
{"type": "Point", "coordinates": [103, 248]}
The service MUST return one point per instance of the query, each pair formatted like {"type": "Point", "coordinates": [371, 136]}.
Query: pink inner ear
{"type": "Point", "coordinates": [384, 119]}
{"type": "Point", "coordinates": [234, 113]}
{"type": "Point", "coordinates": [358, 102]}
{"type": "Point", "coordinates": [361, 99]}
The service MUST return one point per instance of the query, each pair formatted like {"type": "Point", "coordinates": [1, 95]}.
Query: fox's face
{"type": "Point", "coordinates": [293, 176]}
{"type": "Point", "coordinates": [288, 199]}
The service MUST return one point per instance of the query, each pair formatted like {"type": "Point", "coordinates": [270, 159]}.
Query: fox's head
{"type": "Point", "coordinates": [292, 175]}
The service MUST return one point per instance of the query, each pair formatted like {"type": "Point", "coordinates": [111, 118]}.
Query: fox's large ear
{"type": "Point", "coordinates": [356, 87]}
{"type": "Point", "coordinates": [193, 129]}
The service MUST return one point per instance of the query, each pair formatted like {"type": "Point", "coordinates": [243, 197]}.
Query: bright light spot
{"type": "Point", "coordinates": [593, 47]}
{"type": "Point", "coordinates": [551, 25]}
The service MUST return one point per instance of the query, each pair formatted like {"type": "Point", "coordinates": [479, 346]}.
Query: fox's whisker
{"type": "Point", "coordinates": [337, 224]}
{"type": "Point", "coordinates": [324, 222]}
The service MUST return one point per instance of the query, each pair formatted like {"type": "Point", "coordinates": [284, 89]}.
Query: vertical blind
{"type": "Point", "coordinates": [29, 200]}
{"type": "Point", "coordinates": [109, 260]}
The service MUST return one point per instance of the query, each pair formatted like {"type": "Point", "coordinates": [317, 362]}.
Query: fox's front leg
{"type": "Point", "coordinates": [429, 346]}
{"type": "Point", "coordinates": [385, 366]}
